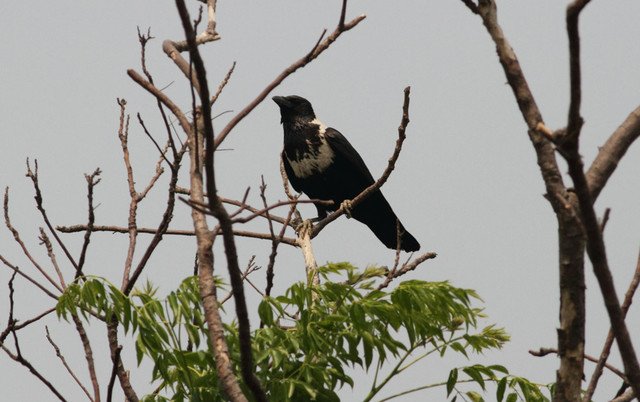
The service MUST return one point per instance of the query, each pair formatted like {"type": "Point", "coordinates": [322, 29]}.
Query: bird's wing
{"type": "Point", "coordinates": [346, 153]}
{"type": "Point", "coordinates": [295, 182]}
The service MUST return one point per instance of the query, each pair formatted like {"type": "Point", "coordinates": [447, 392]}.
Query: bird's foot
{"type": "Point", "coordinates": [346, 208]}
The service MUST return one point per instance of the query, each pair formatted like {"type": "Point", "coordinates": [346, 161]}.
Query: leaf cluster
{"type": "Point", "coordinates": [310, 337]}
{"type": "Point", "coordinates": [509, 388]}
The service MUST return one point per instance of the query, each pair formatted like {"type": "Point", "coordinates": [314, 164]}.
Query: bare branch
{"type": "Point", "coordinates": [162, 152]}
{"type": "Point", "coordinates": [18, 240]}
{"type": "Point", "coordinates": [575, 121]}
{"type": "Point", "coordinates": [595, 243]}
{"type": "Point", "coordinates": [30, 321]}
{"type": "Point", "coordinates": [471, 6]}
{"type": "Point", "coordinates": [184, 123]}
{"type": "Point", "coordinates": [118, 367]}
{"type": "Point", "coordinates": [604, 355]}
{"type": "Point", "coordinates": [11, 329]}
{"type": "Point", "coordinates": [237, 203]}
{"type": "Point", "coordinates": [27, 277]}
{"type": "Point", "coordinates": [47, 243]}
{"type": "Point", "coordinates": [564, 204]}
{"type": "Point", "coordinates": [265, 211]}
{"type": "Point", "coordinates": [223, 84]}
{"type": "Point", "coordinates": [18, 358]}
{"type": "Point", "coordinates": [406, 268]}
{"type": "Point", "coordinates": [612, 152]}
{"type": "Point", "coordinates": [251, 268]}
{"type": "Point", "coordinates": [274, 250]}
{"type": "Point", "coordinates": [33, 175]}
{"type": "Point", "coordinates": [88, 353]}
{"type": "Point", "coordinates": [215, 206]}
{"type": "Point", "coordinates": [315, 52]}
{"type": "Point", "coordinates": [114, 373]}
{"type": "Point", "coordinates": [119, 229]}
{"type": "Point", "coordinates": [91, 183]}
{"type": "Point", "coordinates": [545, 351]}
{"type": "Point", "coordinates": [143, 42]}
{"type": "Point", "coordinates": [626, 397]}
{"type": "Point", "coordinates": [66, 366]}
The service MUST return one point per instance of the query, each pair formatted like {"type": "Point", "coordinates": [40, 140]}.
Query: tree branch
{"type": "Point", "coordinates": [308, 58]}
{"type": "Point", "coordinates": [204, 131]}
{"type": "Point", "coordinates": [564, 204]}
{"type": "Point", "coordinates": [33, 175]}
{"type": "Point", "coordinates": [595, 243]}
{"type": "Point", "coordinates": [66, 366]}
{"type": "Point", "coordinates": [612, 152]}
{"type": "Point", "coordinates": [18, 240]}
{"type": "Point", "coordinates": [545, 351]}
{"type": "Point", "coordinates": [604, 355]}
{"type": "Point", "coordinates": [91, 183]}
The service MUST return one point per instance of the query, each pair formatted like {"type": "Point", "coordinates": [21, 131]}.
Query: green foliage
{"type": "Point", "coordinates": [309, 338]}
{"type": "Point", "coordinates": [518, 388]}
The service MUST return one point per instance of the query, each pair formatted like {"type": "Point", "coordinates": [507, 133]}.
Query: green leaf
{"type": "Point", "coordinates": [475, 375]}
{"type": "Point", "coordinates": [502, 386]}
{"type": "Point", "coordinates": [451, 381]}
{"type": "Point", "coordinates": [266, 313]}
{"type": "Point", "coordinates": [474, 396]}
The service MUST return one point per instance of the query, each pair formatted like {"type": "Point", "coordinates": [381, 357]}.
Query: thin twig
{"type": "Point", "coordinates": [406, 268]}
{"type": "Point", "coordinates": [114, 372]}
{"type": "Point", "coordinates": [27, 277]}
{"type": "Point", "coordinates": [47, 243]}
{"type": "Point", "coordinates": [33, 175]}
{"type": "Point", "coordinates": [66, 366]}
{"type": "Point", "coordinates": [274, 250]}
{"type": "Point", "coordinates": [223, 84]}
{"type": "Point", "coordinates": [315, 52]}
{"type": "Point", "coordinates": [251, 268]}
{"type": "Point", "coordinates": [155, 143]}
{"type": "Point", "coordinates": [545, 351]}
{"type": "Point", "coordinates": [18, 358]}
{"type": "Point", "coordinates": [18, 355]}
{"type": "Point", "coordinates": [18, 240]}
{"type": "Point", "coordinates": [604, 355]}
{"type": "Point", "coordinates": [91, 183]}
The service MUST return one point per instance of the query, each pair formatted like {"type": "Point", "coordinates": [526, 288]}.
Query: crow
{"type": "Point", "coordinates": [321, 163]}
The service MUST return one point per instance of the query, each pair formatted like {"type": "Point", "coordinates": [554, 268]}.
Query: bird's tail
{"type": "Point", "coordinates": [376, 213]}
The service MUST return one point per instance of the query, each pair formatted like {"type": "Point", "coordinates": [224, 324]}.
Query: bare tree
{"type": "Point", "coordinates": [578, 228]}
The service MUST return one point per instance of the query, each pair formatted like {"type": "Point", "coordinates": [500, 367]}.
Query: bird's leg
{"type": "Point", "coordinates": [346, 208]}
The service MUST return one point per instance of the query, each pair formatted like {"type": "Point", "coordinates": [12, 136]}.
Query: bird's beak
{"type": "Point", "coordinates": [281, 101]}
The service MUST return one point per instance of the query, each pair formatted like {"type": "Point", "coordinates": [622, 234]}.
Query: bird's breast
{"type": "Point", "coordinates": [314, 159]}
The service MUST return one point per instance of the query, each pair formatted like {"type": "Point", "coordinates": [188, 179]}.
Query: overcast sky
{"type": "Point", "coordinates": [467, 185]}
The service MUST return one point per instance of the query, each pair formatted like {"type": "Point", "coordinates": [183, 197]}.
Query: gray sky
{"type": "Point", "coordinates": [467, 185]}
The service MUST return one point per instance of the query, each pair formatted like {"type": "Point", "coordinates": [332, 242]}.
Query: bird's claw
{"type": "Point", "coordinates": [346, 208]}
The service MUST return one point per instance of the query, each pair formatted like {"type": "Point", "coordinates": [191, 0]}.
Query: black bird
{"type": "Point", "coordinates": [321, 163]}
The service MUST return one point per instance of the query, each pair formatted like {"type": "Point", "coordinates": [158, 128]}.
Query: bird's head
{"type": "Point", "coordinates": [294, 109]}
